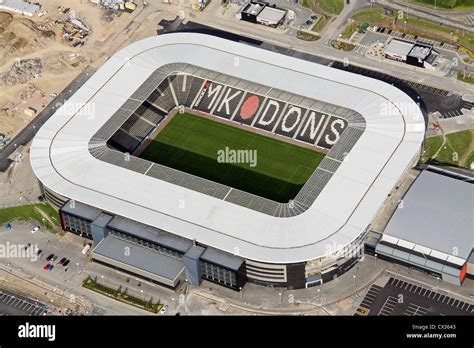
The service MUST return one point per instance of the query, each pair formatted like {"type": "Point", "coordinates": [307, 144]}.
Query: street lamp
{"type": "Point", "coordinates": [319, 294]}
{"type": "Point", "coordinates": [354, 276]}
{"type": "Point", "coordinates": [281, 298]}
{"type": "Point", "coordinates": [375, 260]}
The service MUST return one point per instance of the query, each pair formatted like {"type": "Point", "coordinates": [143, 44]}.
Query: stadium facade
{"type": "Point", "coordinates": [177, 227]}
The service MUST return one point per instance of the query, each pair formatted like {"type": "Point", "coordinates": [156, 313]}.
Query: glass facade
{"type": "Point", "coordinates": [77, 225]}
{"type": "Point", "coordinates": [147, 244]}
{"type": "Point", "coordinates": [219, 275]}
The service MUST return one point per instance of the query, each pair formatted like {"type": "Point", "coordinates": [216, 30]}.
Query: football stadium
{"type": "Point", "coordinates": [209, 159]}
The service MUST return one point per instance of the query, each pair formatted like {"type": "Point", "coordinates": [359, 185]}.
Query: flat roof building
{"type": "Point", "coordinates": [271, 16]}
{"type": "Point", "coordinates": [398, 49]}
{"type": "Point", "coordinates": [433, 228]}
{"type": "Point", "coordinates": [411, 53]}
{"type": "Point", "coordinates": [262, 13]}
{"type": "Point", "coordinates": [139, 260]}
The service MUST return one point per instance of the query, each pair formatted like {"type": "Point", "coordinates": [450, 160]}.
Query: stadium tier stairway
{"type": "Point", "coordinates": [123, 141]}
{"type": "Point", "coordinates": [162, 97]}
{"type": "Point", "coordinates": [187, 87]}
{"type": "Point", "coordinates": [137, 127]}
{"type": "Point", "coordinates": [150, 113]}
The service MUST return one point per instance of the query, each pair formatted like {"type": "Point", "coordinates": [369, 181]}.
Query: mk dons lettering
{"type": "Point", "coordinates": [228, 97]}
{"type": "Point", "coordinates": [261, 112]}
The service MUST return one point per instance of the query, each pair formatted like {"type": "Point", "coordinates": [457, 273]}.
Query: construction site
{"type": "Point", "coordinates": [40, 54]}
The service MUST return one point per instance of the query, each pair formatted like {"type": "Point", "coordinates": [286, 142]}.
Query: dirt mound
{"type": "Point", "coordinates": [22, 71]}
{"type": "Point", "coordinates": [5, 19]}
{"type": "Point", "coordinates": [21, 36]}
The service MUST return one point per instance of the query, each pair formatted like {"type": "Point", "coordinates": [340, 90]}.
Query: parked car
{"type": "Point", "coordinates": [27, 246]}
{"type": "Point", "coordinates": [61, 262]}
{"type": "Point", "coordinates": [51, 267]}
{"type": "Point", "coordinates": [50, 257]}
{"type": "Point", "coordinates": [39, 252]}
{"type": "Point", "coordinates": [35, 229]}
{"type": "Point", "coordinates": [66, 263]}
{"type": "Point", "coordinates": [54, 258]}
{"type": "Point", "coordinates": [8, 226]}
{"type": "Point", "coordinates": [46, 267]}
{"type": "Point", "coordinates": [164, 309]}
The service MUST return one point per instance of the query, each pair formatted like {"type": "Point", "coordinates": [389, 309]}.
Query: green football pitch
{"type": "Point", "coordinates": [197, 145]}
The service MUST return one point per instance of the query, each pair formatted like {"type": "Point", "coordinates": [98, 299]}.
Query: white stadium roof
{"type": "Point", "coordinates": [393, 134]}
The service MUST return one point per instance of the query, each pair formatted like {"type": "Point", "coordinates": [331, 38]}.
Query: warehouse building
{"type": "Point", "coordinates": [432, 229]}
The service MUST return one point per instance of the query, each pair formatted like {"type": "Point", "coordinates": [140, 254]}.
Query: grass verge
{"type": "Point", "coordinates": [453, 5]}
{"type": "Point", "coordinates": [332, 6]}
{"type": "Point", "coordinates": [303, 35]}
{"type": "Point", "coordinates": [121, 296]}
{"type": "Point", "coordinates": [457, 149]}
{"type": "Point", "coordinates": [415, 26]}
{"type": "Point", "coordinates": [35, 212]}
{"type": "Point", "coordinates": [468, 79]}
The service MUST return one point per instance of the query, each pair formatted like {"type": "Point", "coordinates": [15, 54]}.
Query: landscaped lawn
{"type": "Point", "coordinates": [455, 5]}
{"type": "Point", "coordinates": [31, 212]}
{"type": "Point", "coordinates": [332, 6]}
{"type": "Point", "coordinates": [458, 149]}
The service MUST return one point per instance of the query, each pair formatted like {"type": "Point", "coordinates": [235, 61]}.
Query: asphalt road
{"type": "Point", "coordinates": [27, 133]}
{"type": "Point", "coordinates": [425, 13]}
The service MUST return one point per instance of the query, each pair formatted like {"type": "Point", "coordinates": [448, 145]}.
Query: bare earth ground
{"type": "Point", "coordinates": [24, 37]}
